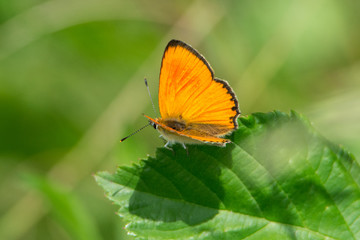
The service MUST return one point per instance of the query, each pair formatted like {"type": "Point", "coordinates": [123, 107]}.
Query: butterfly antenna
{"type": "Point", "coordinates": [135, 132]}
{"type": "Point", "coordinates": [148, 89]}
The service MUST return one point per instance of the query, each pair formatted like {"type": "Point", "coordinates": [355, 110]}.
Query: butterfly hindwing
{"type": "Point", "coordinates": [194, 134]}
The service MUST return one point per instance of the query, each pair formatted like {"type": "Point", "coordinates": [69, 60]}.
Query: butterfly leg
{"type": "Point", "coordinates": [167, 145]}
{"type": "Point", "coordinates": [187, 149]}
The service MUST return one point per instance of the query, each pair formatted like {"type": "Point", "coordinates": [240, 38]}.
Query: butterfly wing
{"type": "Point", "coordinates": [194, 134]}
{"type": "Point", "coordinates": [189, 91]}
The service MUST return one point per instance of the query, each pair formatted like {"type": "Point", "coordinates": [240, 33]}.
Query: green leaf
{"type": "Point", "coordinates": [279, 179]}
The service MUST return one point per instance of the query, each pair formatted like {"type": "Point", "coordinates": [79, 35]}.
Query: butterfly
{"type": "Point", "coordinates": [195, 107]}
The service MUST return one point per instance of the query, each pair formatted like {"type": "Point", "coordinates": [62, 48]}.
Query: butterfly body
{"type": "Point", "coordinates": [177, 130]}
{"type": "Point", "coordinates": [195, 107]}
{"type": "Point", "coordinates": [175, 136]}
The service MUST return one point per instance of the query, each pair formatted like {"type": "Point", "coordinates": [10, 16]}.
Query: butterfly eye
{"type": "Point", "coordinates": [153, 124]}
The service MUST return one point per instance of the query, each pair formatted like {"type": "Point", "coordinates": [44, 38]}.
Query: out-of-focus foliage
{"type": "Point", "coordinates": [71, 86]}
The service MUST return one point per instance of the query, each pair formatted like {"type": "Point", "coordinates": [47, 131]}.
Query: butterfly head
{"type": "Point", "coordinates": [154, 125]}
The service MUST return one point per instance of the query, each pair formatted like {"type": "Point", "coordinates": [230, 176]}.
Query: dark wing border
{"type": "Point", "coordinates": [233, 98]}
{"type": "Point", "coordinates": [175, 43]}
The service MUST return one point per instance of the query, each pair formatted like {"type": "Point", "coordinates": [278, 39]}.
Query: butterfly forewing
{"type": "Point", "coordinates": [188, 91]}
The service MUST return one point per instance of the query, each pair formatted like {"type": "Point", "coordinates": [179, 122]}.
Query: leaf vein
{"type": "Point", "coordinates": [196, 177]}
{"type": "Point", "coordinates": [238, 177]}
{"type": "Point", "coordinates": [276, 182]}
{"type": "Point", "coordinates": [330, 196]}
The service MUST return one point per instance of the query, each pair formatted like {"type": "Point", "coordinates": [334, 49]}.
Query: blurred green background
{"type": "Point", "coordinates": [71, 86]}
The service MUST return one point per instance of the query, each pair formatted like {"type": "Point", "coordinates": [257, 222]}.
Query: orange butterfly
{"type": "Point", "coordinates": [194, 106]}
